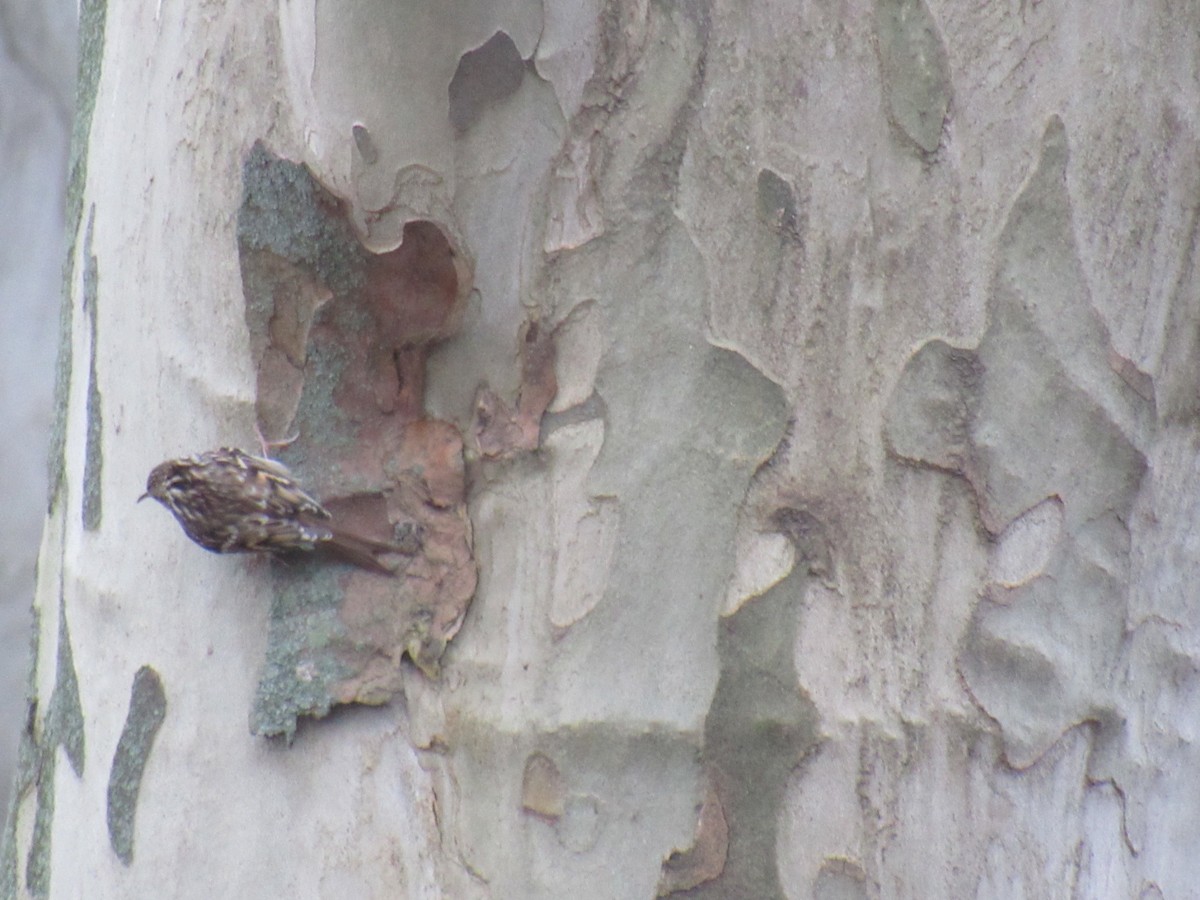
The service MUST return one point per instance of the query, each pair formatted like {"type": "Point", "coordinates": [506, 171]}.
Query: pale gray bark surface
{"type": "Point", "coordinates": [856, 555]}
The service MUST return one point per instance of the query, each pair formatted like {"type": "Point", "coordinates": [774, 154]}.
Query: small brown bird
{"type": "Point", "coordinates": [231, 502]}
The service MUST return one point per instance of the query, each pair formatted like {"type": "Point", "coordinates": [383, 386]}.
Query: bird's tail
{"type": "Point", "coordinates": [362, 551]}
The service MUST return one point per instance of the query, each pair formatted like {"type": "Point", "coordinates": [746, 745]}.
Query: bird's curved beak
{"type": "Point", "coordinates": [143, 497]}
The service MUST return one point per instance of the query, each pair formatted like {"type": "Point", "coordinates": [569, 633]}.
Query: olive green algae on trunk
{"type": "Point", "coordinates": [147, 709]}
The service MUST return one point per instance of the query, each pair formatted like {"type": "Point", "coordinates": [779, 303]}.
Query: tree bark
{"type": "Point", "coordinates": [793, 412]}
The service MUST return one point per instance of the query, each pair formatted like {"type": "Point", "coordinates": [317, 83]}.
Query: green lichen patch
{"type": "Point", "coordinates": [302, 668]}
{"type": "Point", "coordinates": [759, 728]}
{"type": "Point", "coordinates": [55, 459]}
{"type": "Point", "coordinates": [92, 17]}
{"type": "Point", "coordinates": [29, 770]}
{"type": "Point", "coordinates": [37, 864]}
{"type": "Point", "coordinates": [915, 70]}
{"type": "Point", "coordinates": [286, 212]}
{"type": "Point", "coordinates": [36, 763]}
{"type": "Point", "coordinates": [64, 717]}
{"type": "Point", "coordinates": [93, 465]}
{"type": "Point", "coordinates": [147, 709]}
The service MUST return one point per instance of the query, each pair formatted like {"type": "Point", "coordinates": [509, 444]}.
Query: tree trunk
{"type": "Point", "coordinates": [789, 414]}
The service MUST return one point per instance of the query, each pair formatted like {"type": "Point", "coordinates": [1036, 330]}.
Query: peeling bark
{"type": "Point", "coordinates": [791, 415]}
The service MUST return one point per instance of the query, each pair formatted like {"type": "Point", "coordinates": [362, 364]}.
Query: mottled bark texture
{"type": "Point", "coordinates": [795, 407]}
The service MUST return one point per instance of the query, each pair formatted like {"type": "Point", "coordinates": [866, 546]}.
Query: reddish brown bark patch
{"type": "Point", "coordinates": [502, 431]}
{"type": "Point", "coordinates": [340, 337]}
{"type": "Point", "coordinates": [412, 291]}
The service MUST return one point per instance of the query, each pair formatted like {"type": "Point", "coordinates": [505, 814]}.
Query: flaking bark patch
{"type": "Point", "coordinates": [502, 431]}
{"type": "Point", "coordinates": [340, 337]}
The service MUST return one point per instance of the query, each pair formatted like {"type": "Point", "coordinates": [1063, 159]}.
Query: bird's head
{"type": "Point", "coordinates": [161, 478]}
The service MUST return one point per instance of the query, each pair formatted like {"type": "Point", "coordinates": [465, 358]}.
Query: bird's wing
{"type": "Point", "coordinates": [274, 483]}
{"type": "Point", "coordinates": [263, 532]}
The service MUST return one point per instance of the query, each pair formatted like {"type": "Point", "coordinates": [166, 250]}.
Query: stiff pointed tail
{"type": "Point", "coordinates": [363, 551]}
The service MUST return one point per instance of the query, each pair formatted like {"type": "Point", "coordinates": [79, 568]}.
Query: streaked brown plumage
{"type": "Point", "coordinates": [231, 502]}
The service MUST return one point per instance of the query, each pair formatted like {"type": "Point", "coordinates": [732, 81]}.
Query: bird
{"type": "Point", "coordinates": [228, 501]}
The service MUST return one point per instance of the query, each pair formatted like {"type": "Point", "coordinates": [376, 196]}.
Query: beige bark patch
{"type": "Point", "coordinates": [1024, 548]}
{"type": "Point", "coordinates": [705, 859]}
{"type": "Point", "coordinates": [542, 789]}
